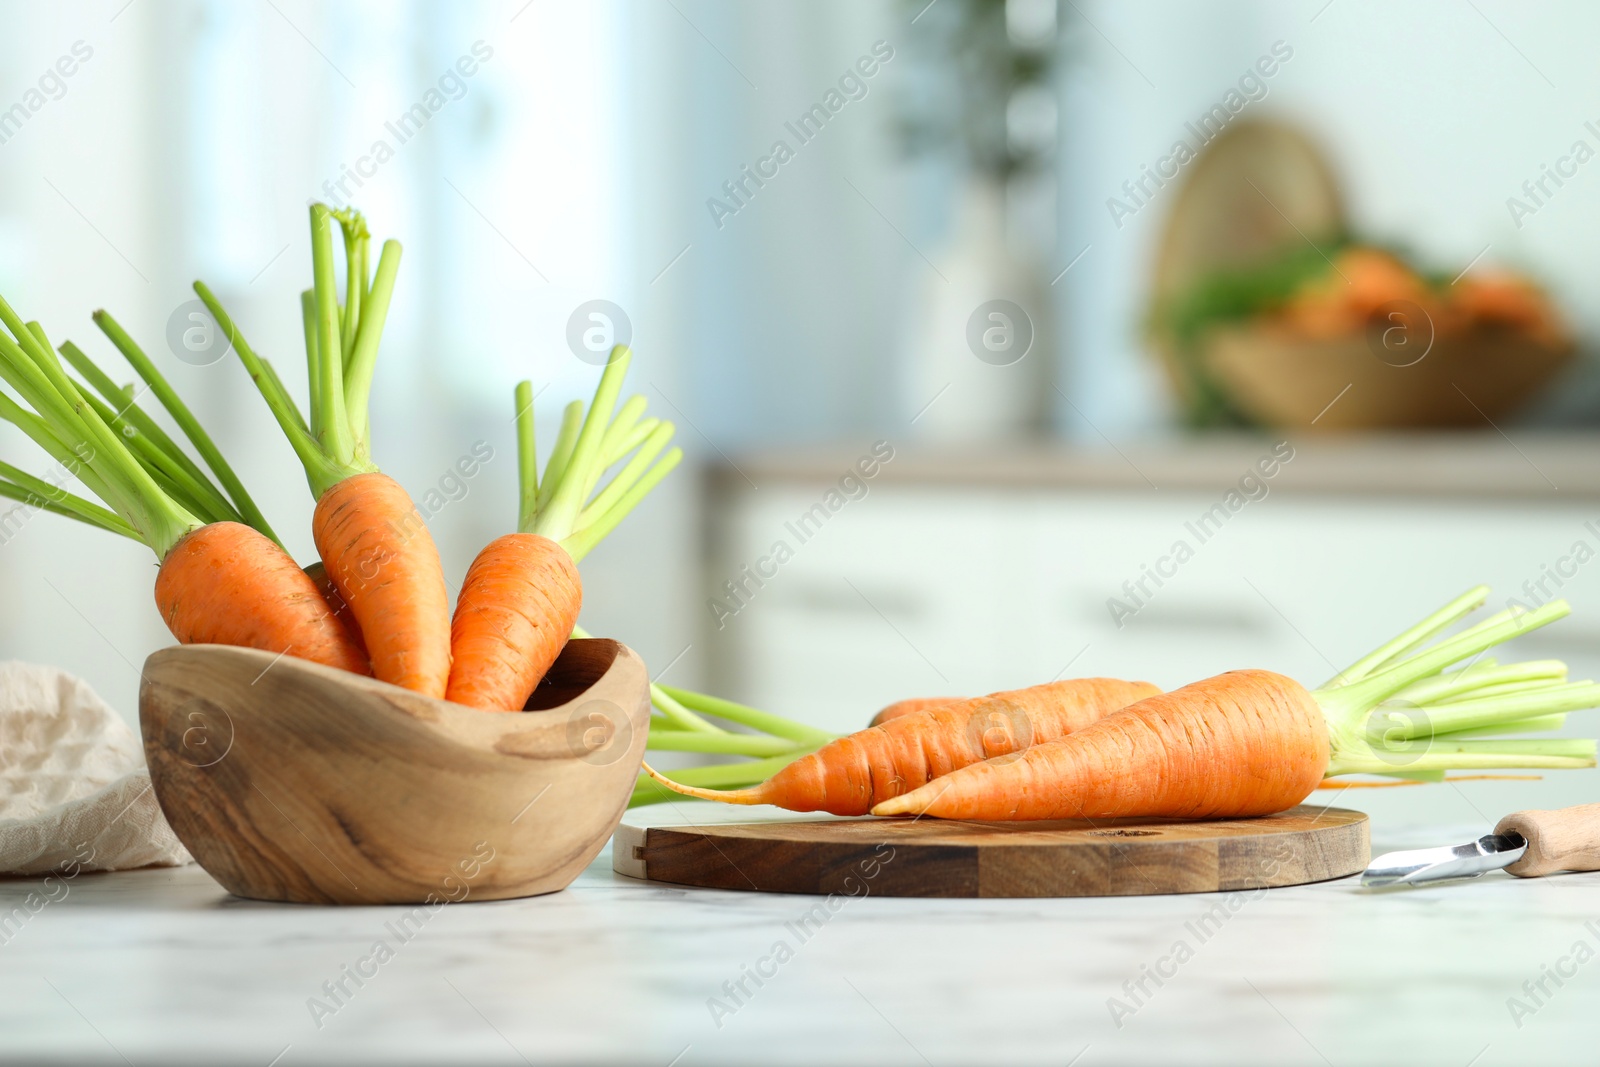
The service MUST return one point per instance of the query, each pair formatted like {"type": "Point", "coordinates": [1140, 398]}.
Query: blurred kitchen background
{"type": "Point", "coordinates": [979, 267]}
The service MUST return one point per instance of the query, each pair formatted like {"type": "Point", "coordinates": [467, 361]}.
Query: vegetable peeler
{"type": "Point", "coordinates": [1525, 843]}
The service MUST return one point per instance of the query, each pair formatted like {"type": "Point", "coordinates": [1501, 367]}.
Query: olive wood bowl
{"type": "Point", "coordinates": [291, 781]}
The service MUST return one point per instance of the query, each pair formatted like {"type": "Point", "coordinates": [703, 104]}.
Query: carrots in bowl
{"type": "Point", "coordinates": [376, 601]}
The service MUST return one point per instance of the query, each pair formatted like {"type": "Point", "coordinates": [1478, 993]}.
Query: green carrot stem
{"type": "Point", "coordinates": [135, 494]}
{"type": "Point", "coordinates": [681, 716]}
{"type": "Point", "coordinates": [127, 407]}
{"type": "Point", "coordinates": [622, 424]}
{"type": "Point", "coordinates": [1537, 724]}
{"type": "Point", "coordinates": [44, 345]}
{"type": "Point", "coordinates": [26, 374]}
{"type": "Point", "coordinates": [69, 429]}
{"type": "Point", "coordinates": [23, 372]}
{"type": "Point", "coordinates": [627, 477]}
{"type": "Point", "coordinates": [1411, 638]}
{"type": "Point", "coordinates": [748, 716]}
{"type": "Point", "coordinates": [69, 455]}
{"type": "Point", "coordinates": [1363, 741]}
{"type": "Point", "coordinates": [158, 384]}
{"type": "Point", "coordinates": [724, 744]}
{"type": "Point", "coordinates": [582, 542]}
{"type": "Point", "coordinates": [198, 495]}
{"type": "Point", "coordinates": [36, 492]}
{"type": "Point", "coordinates": [27, 498]}
{"type": "Point", "coordinates": [308, 329]}
{"type": "Point", "coordinates": [527, 459]}
{"type": "Point", "coordinates": [1481, 675]}
{"type": "Point", "coordinates": [275, 383]}
{"type": "Point", "coordinates": [632, 440]}
{"type": "Point", "coordinates": [364, 355]}
{"type": "Point", "coordinates": [1356, 697]}
{"type": "Point", "coordinates": [1440, 754]}
{"type": "Point", "coordinates": [354, 229]}
{"type": "Point", "coordinates": [556, 465]}
{"type": "Point", "coordinates": [322, 470]}
{"type": "Point", "coordinates": [1496, 690]}
{"type": "Point", "coordinates": [556, 521]}
{"type": "Point", "coordinates": [329, 420]}
{"type": "Point", "coordinates": [1469, 714]}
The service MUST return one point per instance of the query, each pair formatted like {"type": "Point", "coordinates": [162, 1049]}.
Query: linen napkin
{"type": "Point", "coordinates": [73, 785]}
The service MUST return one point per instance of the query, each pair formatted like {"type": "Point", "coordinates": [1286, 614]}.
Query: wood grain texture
{"type": "Point", "coordinates": [931, 858]}
{"type": "Point", "coordinates": [1567, 839]}
{"type": "Point", "coordinates": [292, 781]}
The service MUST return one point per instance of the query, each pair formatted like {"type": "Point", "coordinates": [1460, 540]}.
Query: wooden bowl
{"type": "Point", "coordinates": [292, 781]}
{"type": "Point", "coordinates": [1467, 379]}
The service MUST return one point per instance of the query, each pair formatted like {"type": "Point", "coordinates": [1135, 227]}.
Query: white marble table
{"type": "Point", "coordinates": [163, 967]}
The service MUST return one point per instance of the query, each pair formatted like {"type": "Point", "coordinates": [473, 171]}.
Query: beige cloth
{"type": "Point", "coordinates": [73, 785]}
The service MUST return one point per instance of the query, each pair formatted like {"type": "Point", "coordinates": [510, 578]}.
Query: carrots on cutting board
{"type": "Point", "coordinates": [1242, 743]}
{"type": "Point", "coordinates": [1253, 742]}
{"type": "Point", "coordinates": [851, 775]}
{"type": "Point", "coordinates": [910, 706]}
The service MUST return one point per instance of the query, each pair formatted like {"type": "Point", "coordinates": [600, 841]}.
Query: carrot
{"type": "Point", "coordinates": [221, 582]}
{"type": "Point", "coordinates": [371, 537]}
{"type": "Point", "coordinates": [224, 583]}
{"type": "Point", "coordinates": [1242, 743]}
{"type": "Point", "coordinates": [1254, 742]}
{"type": "Point", "coordinates": [330, 595]}
{"type": "Point", "coordinates": [851, 775]}
{"type": "Point", "coordinates": [382, 561]}
{"type": "Point", "coordinates": [521, 597]}
{"type": "Point", "coordinates": [518, 603]}
{"type": "Point", "coordinates": [910, 706]}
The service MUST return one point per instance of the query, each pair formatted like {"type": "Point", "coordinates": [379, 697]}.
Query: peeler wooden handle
{"type": "Point", "coordinates": [1564, 840]}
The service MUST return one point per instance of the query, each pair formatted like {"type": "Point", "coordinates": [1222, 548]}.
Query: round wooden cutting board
{"type": "Point", "coordinates": [931, 858]}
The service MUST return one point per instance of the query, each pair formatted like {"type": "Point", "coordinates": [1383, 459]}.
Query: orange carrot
{"type": "Point", "coordinates": [1254, 742]}
{"type": "Point", "coordinates": [318, 574]}
{"type": "Point", "coordinates": [1242, 743]}
{"type": "Point", "coordinates": [373, 540]}
{"type": "Point", "coordinates": [227, 584]}
{"type": "Point", "coordinates": [381, 559]}
{"type": "Point", "coordinates": [851, 775]}
{"type": "Point", "coordinates": [520, 600]}
{"type": "Point", "coordinates": [518, 604]}
{"type": "Point", "coordinates": [910, 706]}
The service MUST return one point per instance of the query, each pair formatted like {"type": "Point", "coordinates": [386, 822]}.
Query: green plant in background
{"type": "Point", "coordinates": [982, 86]}
{"type": "Point", "coordinates": [1227, 298]}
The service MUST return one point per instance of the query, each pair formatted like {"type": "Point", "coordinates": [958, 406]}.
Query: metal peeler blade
{"type": "Point", "coordinates": [1421, 865]}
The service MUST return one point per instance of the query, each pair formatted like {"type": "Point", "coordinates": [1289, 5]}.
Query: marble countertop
{"type": "Point", "coordinates": [164, 967]}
